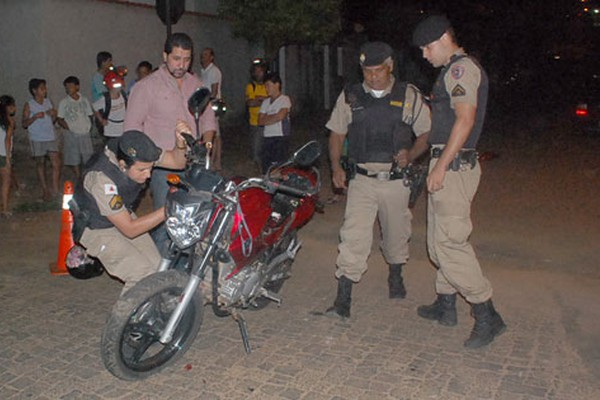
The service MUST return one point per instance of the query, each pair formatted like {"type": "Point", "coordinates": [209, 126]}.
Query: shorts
{"type": "Point", "coordinates": [40, 149]}
{"type": "Point", "coordinates": [77, 148]}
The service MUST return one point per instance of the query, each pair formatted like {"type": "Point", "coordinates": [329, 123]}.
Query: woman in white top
{"type": "Point", "coordinates": [274, 117]}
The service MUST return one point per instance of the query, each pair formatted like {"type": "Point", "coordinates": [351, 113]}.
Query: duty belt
{"type": "Point", "coordinates": [464, 158]}
{"type": "Point", "coordinates": [380, 176]}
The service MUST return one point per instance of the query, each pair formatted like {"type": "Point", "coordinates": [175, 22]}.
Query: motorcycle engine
{"type": "Point", "coordinates": [240, 287]}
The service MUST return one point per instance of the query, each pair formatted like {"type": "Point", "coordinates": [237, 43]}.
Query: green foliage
{"type": "Point", "coordinates": [281, 22]}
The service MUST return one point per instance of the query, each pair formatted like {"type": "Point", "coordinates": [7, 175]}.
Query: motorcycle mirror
{"type": "Point", "coordinates": [306, 155]}
{"type": "Point", "coordinates": [198, 101]}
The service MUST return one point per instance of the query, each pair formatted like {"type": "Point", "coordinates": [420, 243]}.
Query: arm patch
{"type": "Point", "coordinates": [458, 91]}
{"type": "Point", "coordinates": [116, 202]}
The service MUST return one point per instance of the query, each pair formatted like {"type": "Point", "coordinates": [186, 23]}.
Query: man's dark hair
{"type": "Point", "coordinates": [102, 57]}
{"type": "Point", "coordinates": [145, 64]}
{"type": "Point", "coordinates": [273, 77]}
{"type": "Point", "coordinates": [71, 79]}
{"type": "Point", "coordinates": [34, 84]}
{"type": "Point", "coordinates": [180, 40]}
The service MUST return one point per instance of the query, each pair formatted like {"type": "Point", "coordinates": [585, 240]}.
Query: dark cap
{"type": "Point", "coordinates": [374, 53]}
{"type": "Point", "coordinates": [430, 29]}
{"type": "Point", "coordinates": [139, 147]}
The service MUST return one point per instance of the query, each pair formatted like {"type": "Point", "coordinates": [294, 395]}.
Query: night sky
{"type": "Point", "coordinates": [546, 47]}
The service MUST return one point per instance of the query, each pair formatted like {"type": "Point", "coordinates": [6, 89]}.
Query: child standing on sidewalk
{"type": "Point", "coordinates": [110, 108]}
{"type": "Point", "coordinates": [75, 115]}
{"type": "Point", "coordinates": [39, 116]}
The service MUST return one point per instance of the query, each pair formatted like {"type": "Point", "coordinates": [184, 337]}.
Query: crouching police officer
{"type": "Point", "coordinates": [458, 105]}
{"type": "Point", "coordinates": [379, 118]}
{"type": "Point", "coordinates": [110, 187]}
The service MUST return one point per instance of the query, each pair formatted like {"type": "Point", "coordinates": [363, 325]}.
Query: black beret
{"type": "Point", "coordinates": [374, 53]}
{"type": "Point", "coordinates": [430, 29]}
{"type": "Point", "coordinates": [139, 147]}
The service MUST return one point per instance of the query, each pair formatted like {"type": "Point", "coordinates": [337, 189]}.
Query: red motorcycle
{"type": "Point", "coordinates": [238, 239]}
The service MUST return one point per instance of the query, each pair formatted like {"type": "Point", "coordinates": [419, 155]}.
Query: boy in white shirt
{"type": "Point", "coordinates": [74, 115]}
{"type": "Point", "coordinates": [110, 108]}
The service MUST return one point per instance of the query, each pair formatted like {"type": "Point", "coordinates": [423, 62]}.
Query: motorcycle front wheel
{"type": "Point", "coordinates": [130, 342]}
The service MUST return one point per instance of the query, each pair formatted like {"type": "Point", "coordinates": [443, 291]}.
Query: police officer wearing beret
{"type": "Point", "coordinates": [110, 187]}
{"type": "Point", "coordinates": [380, 117]}
{"type": "Point", "coordinates": [458, 105]}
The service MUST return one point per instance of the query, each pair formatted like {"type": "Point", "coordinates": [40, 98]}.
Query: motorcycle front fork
{"type": "Point", "coordinates": [196, 276]}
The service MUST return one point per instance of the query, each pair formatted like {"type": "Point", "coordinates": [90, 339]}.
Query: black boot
{"type": "Point", "coordinates": [341, 305]}
{"type": "Point", "coordinates": [488, 325]}
{"type": "Point", "coordinates": [395, 282]}
{"type": "Point", "coordinates": [443, 310]}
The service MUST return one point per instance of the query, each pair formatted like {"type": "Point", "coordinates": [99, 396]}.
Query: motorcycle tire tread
{"type": "Point", "coordinates": [123, 310]}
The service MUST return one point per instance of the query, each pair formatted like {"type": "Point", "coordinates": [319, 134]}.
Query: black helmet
{"type": "Point", "coordinates": [82, 266]}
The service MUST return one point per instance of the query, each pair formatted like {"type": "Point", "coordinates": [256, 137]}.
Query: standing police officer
{"type": "Point", "coordinates": [379, 117]}
{"type": "Point", "coordinates": [458, 104]}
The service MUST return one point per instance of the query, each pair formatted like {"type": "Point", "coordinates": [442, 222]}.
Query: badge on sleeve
{"type": "Point", "coordinates": [110, 188]}
{"type": "Point", "coordinates": [116, 202]}
{"type": "Point", "coordinates": [458, 91]}
{"type": "Point", "coordinates": [457, 71]}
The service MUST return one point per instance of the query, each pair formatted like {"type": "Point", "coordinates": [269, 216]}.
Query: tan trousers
{"type": "Point", "coordinates": [448, 229]}
{"type": "Point", "coordinates": [369, 198]}
{"type": "Point", "coordinates": [130, 260]}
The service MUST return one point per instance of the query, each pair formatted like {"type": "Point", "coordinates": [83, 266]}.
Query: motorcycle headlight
{"type": "Point", "coordinates": [186, 224]}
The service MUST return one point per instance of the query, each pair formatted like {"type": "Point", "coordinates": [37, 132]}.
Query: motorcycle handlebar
{"type": "Point", "coordinates": [272, 186]}
{"type": "Point", "coordinates": [288, 189]}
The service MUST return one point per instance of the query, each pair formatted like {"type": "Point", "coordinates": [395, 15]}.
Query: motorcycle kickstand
{"type": "Point", "coordinates": [239, 318]}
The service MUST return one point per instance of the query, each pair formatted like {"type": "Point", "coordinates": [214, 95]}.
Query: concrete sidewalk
{"type": "Point", "coordinates": [51, 327]}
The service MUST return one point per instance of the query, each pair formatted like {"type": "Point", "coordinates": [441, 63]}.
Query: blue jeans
{"type": "Point", "coordinates": [274, 151]}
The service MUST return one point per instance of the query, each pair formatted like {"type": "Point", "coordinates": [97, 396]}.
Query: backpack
{"type": "Point", "coordinates": [108, 103]}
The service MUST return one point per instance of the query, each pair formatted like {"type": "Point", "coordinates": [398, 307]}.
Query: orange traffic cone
{"type": "Point", "coordinates": [65, 242]}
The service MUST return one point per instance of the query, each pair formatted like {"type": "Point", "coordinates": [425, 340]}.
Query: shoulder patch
{"type": "Point", "coordinates": [458, 91]}
{"type": "Point", "coordinates": [395, 103]}
{"type": "Point", "coordinates": [457, 71]}
{"type": "Point", "coordinates": [110, 188]}
{"type": "Point", "coordinates": [116, 202]}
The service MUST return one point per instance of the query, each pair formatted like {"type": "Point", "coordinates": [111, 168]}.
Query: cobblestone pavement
{"type": "Point", "coordinates": [50, 330]}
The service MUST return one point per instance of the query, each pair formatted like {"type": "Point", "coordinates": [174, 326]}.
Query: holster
{"type": "Point", "coordinates": [80, 220]}
{"type": "Point", "coordinates": [414, 177]}
{"type": "Point", "coordinates": [463, 158]}
{"type": "Point", "coordinates": [349, 166]}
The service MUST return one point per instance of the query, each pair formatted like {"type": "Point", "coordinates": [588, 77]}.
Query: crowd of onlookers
{"type": "Point", "coordinates": [106, 111]}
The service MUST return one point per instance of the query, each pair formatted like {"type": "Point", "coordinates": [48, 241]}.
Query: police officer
{"type": "Point", "coordinates": [380, 118]}
{"type": "Point", "coordinates": [458, 104]}
{"type": "Point", "coordinates": [110, 187]}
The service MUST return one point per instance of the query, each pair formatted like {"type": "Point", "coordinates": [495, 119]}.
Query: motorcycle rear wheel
{"type": "Point", "coordinates": [130, 342]}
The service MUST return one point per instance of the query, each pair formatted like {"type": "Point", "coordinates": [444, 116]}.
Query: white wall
{"type": "Point", "coordinates": [53, 39]}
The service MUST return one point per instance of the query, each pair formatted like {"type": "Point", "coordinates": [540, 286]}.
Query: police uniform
{"type": "Point", "coordinates": [369, 124]}
{"type": "Point", "coordinates": [449, 212]}
{"type": "Point", "coordinates": [461, 80]}
{"type": "Point", "coordinates": [107, 191]}
{"type": "Point", "coordinates": [377, 124]}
